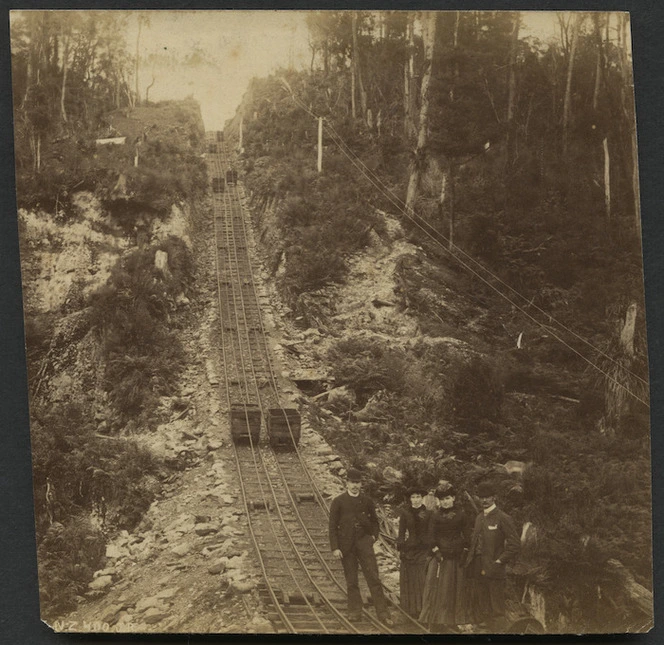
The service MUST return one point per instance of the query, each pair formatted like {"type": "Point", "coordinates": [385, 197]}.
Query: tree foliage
{"type": "Point", "coordinates": [530, 168]}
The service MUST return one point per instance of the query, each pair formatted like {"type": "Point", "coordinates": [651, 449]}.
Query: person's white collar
{"type": "Point", "coordinates": [488, 510]}
{"type": "Point", "coordinates": [351, 494]}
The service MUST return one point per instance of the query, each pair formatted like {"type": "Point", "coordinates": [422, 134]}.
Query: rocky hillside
{"type": "Point", "coordinates": [413, 366]}
{"type": "Point", "coordinates": [139, 520]}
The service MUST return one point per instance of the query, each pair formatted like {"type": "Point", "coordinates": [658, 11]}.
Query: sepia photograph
{"type": "Point", "coordinates": [334, 321]}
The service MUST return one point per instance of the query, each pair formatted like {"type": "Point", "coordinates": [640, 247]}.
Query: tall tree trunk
{"type": "Point", "coordinates": [598, 66]}
{"type": "Point", "coordinates": [38, 153]}
{"type": "Point", "coordinates": [356, 68]}
{"type": "Point", "coordinates": [455, 46]}
{"type": "Point", "coordinates": [429, 38]}
{"type": "Point", "coordinates": [29, 72]}
{"type": "Point", "coordinates": [409, 78]}
{"type": "Point", "coordinates": [149, 87]}
{"type": "Point", "coordinates": [65, 68]}
{"type": "Point", "coordinates": [635, 186]}
{"type": "Point", "coordinates": [136, 65]}
{"type": "Point", "coordinates": [628, 109]}
{"type": "Point", "coordinates": [616, 397]}
{"type": "Point", "coordinates": [567, 103]}
{"type": "Point", "coordinates": [607, 179]}
{"type": "Point", "coordinates": [447, 200]}
{"type": "Point", "coordinates": [511, 97]}
{"type": "Point", "coordinates": [353, 65]}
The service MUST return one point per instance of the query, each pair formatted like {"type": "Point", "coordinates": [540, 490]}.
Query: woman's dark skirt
{"type": "Point", "coordinates": [411, 581]}
{"type": "Point", "coordinates": [445, 598]}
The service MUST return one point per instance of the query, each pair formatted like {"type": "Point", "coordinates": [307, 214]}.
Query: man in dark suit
{"type": "Point", "coordinates": [353, 530]}
{"type": "Point", "coordinates": [494, 543]}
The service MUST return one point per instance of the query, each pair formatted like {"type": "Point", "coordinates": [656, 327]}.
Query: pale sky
{"type": "Point", "coordinates": [236, 46]}
{"type": "Point", "coordinates": [233, 46]}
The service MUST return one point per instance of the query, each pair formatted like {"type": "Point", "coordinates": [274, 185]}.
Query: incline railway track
{"type": "Point", "coordinates": [287, 514]}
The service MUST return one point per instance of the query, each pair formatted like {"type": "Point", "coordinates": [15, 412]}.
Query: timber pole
{"type": "Point", "coordinates": [320, 144]}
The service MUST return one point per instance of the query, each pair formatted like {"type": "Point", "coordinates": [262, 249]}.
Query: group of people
{"type": "Point", "coordinates": [452, 570]}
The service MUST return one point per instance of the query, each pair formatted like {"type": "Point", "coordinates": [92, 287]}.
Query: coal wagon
{"type": "Point", "coordinates": [245, 422]}
{"type": "Point", "coordinates": [218, 184]}
{"type": "Point", "coordinates": [284, 427]}
{"type": "Point", "coordinates": [231, 177]}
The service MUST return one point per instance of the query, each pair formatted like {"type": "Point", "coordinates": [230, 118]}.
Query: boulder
{"type": "Point", "coordinates": [151, 602]}
{"type": "Point", "coordinates": [206, 529]}
{"type": "Point", "coordinates": [112, 571]}
{"type": "Point", "coordinates": [243, 586]}
{"type": "Point", "coordinates": [154, 615]}
{"type": "Point", "coordinates": [103, 582]}
{"type": "Point", "coordinates": [167, 593]}
{"type": "Point", "coordinates": [341, 397]}
{"type": "Point", "coordinates": [181, 549]}
{"type": "Point", "coordinates": [217, 568]}
{"type": "Point", "coordinates": [392, 475]}
{"type": "Point", "coordinates": [111, 614]}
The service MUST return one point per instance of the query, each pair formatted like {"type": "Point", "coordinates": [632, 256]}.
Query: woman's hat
{"type": "Point", "coordinates": [416, 489]}
{"type": "Point", "coordinates": [445, 489]}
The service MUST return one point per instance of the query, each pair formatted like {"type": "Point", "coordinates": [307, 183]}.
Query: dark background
{"type": "Point", "coordinates": [19, 607]}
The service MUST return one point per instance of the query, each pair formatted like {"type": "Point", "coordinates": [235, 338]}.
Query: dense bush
{"type": "Point", "coordinates": [78, 474]}
{"type": "Point", "coordinates": [143, 356]}
{"type": "Point", "coordinates": [68, 555]}
{"type": "Point", "coordinates": [477, 394]}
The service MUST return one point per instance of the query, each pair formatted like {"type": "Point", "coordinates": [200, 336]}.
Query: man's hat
{"type": "Point", "coordinates": [354, 475]}
{"type": "Point", "coordinates": [486, 489]}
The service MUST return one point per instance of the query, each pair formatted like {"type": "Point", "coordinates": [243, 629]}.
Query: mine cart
{"type": "Point", "coordinates": [220, 135]}
{"type": "Point", "coordinates": [231, 177]}
{"type": "Point", "coordinates": [283, 426]}
{"type": "Point", "coordinates": [218, 184]}
{"type": "Point", "coordinates": [245, 422]}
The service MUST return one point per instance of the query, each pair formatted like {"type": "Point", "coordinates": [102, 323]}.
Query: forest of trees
{"type": "Point", "coordinates": [511, 160]}
{"type": "Point", "coordinates": [520, 152]}
{"type": "Point", "coordinates": [73, 77]}
{"type": "Point", "coordinates": [513, 163]}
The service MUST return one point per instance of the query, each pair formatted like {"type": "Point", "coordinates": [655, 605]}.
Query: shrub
{"type": "Point", "coordinates": [477, 393]}
{"type": "Point", "coordinates": [368, 366]}
{"type": "Point", "coordinates": [143, 355]}
{"type": "Point", "coordinates": [84, 472]}
{"type": "Point", "coordinates": [68, 555]}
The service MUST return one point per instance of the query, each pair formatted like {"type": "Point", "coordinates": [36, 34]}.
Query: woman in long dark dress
{"type": "Point", "coordinates": [413, 547]}
{"type": "Point", "coordinates": [444, 603]}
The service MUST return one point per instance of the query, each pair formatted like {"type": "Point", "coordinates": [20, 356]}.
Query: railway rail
{"type": "Point", "coordinates": [303, 584]}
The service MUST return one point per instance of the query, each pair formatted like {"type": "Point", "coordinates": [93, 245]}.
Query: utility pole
{"type": "Point", "coordinates": [320, 144]}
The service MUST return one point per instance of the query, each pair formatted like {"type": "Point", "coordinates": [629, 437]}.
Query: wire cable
{"type": "Point", "coordinates": [408, 212]}
{"type": "Point", "coordinates": [424, 228]}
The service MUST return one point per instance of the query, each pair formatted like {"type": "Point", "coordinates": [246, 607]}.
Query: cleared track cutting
{"type": "Point", "coordinates": [303, 584]}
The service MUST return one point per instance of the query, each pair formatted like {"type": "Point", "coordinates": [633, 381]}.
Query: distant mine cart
{"type": "Point", "coordinates": [218, 184]}
{"type": "Point", "coordinates": [213, 148]}
{"type": "Point", "coordinates": [283, 427]}
{"type": "Point", "coordinates": [220, 135]}
{"type": "Point", "coordinates": [245, 422]}
{"type": "Point", "coordinates": [231, 177]}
